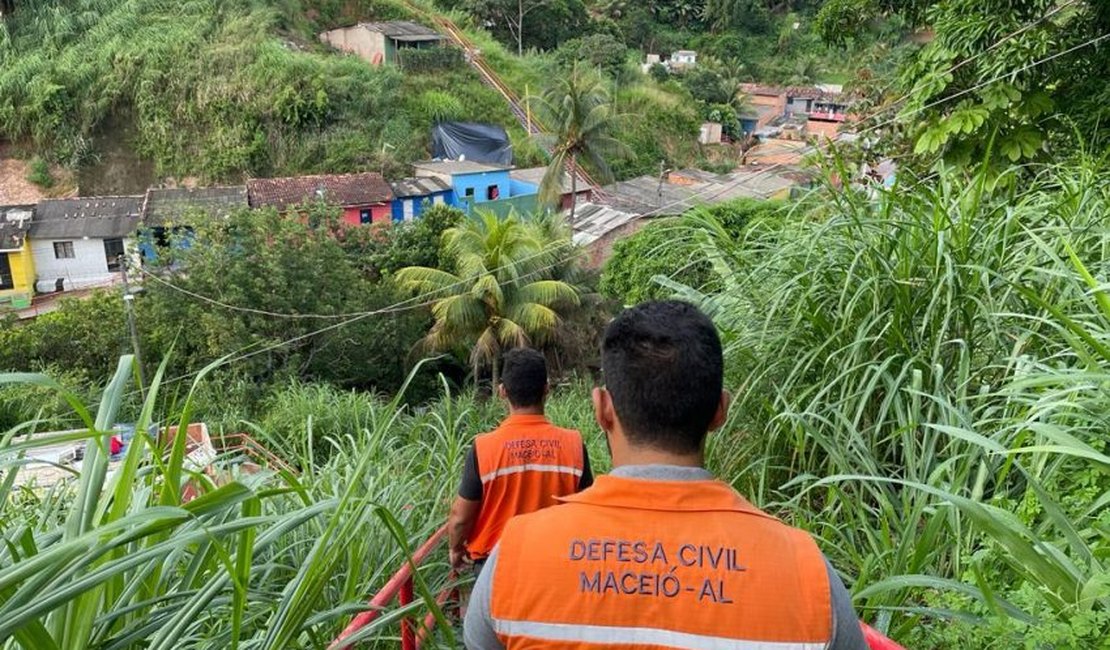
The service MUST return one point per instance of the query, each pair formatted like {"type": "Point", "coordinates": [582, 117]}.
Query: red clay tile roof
{"type": "Point", "coordinates": [345, 190]}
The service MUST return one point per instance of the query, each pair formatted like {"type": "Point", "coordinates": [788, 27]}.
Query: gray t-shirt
{"type": "Point", "coordinates": [478, 631]}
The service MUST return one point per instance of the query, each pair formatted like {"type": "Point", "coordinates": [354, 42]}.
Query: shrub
{"type": "Point", "coordinates": [39, 174]}
{"type": "Point", "coordinates": [433, 59]}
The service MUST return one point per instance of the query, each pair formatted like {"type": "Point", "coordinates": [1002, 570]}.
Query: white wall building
{"type": "Point", "coordinates": [78, 243]}
{"type": "Point", "coordinates": [683, 59]}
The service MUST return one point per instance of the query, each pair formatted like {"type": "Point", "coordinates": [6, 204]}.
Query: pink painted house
{"type": "Point", "coordinates": [365, 198]}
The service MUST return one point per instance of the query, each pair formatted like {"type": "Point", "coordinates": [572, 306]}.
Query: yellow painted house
{"type": "Point", "coordinates": [17, 267]}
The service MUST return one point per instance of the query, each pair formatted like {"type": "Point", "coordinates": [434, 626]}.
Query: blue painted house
{"type": "Point", "coordinates": [411, 196]}
{"type": "Point", "coordinates": [484, 186]}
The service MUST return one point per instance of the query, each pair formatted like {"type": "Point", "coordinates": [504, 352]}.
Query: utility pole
{"type": "Point", "coordinates": [662, 173]}
{"type": "Point", "coordinates": [129, 306]}
{"type": "Point", "coordinates": [528, 108]}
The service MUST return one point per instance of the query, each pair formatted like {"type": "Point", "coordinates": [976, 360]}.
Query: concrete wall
{"type": "Point", "coordinates": [88, 267]}
{"type": "Point", "coordinates": [599, 251]}
{"type": "Point", "coordinates": [411, 207]}
{"type": "Point", "coordinates": [480, 182]}
{"type": "Point", "coordinates": [523, 206]}
{"type": "Point", "coordinates": [379, 213]}
{"type": "Point", "coordinates": [371, 46]}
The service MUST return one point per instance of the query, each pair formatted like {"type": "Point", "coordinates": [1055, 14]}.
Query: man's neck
{"type": "Point", "coordinates": [648, 456]}
{"type": "Point", "coordinates": [526, 410]}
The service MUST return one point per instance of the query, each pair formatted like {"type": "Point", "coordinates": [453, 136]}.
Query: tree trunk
{"type": "Point", "coordinates": [573, 185]}
{"type": "Point", "coordinates": [496, 376]}
{"type": "Point", "coordinates": [520, 27]}
{"type": "Point", "coordinates": [477, 369]}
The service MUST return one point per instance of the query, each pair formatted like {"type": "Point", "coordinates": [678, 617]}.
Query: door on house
{"type": "Point", "coordinates": [407, 208]}
{"type": "Point", "coordinates": [113, 253]}
{"type": "Point", "coordinates": [6, 279]}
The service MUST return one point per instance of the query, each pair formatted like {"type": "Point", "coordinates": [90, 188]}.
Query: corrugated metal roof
{"type": "Point", "coordinates": [593, 221]}
{"type": "Point", "coordinates": [344, 190]}
{"type": "Point", "coordinates": [170, 205]}
{"type": "Point", "coordinates": [690, 188]}
{"type": "Point", "coordinates": [99, 217]}
{"type": "Point", "coordinates": [418, 186]}
{"type": "Point", "coordinates": [15, 221]}
{"type": "Point", "coordinates": [452, 167]}
{"type": "Point", "coordinates": [404, 30]}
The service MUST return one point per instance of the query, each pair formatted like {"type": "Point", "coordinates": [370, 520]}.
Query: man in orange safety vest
{"type": "Point", "coordinates": [659, 554]}
{"type": "Point", "coordinates": [519, 468]}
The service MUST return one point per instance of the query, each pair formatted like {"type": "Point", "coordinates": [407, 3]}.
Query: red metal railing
{"type": "Point", "coordinates": [400, 585]}
{"type": "Point", "coordinates": [876, 640]}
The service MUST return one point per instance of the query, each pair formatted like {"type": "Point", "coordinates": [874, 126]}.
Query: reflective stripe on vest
{"type": "Point", "coordinates": [605, 635]}
{"type": "Point", "coordinates": [530, 467]}
{"type": "Point", "coordinates": [635, 563]}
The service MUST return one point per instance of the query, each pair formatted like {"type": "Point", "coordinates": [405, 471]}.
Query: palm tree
{"type": "Point", "coordinates": [580, 116]}
{"type": "Point", "coordinates": [502, 294]}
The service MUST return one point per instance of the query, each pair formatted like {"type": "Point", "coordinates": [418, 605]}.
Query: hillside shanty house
{"type": "Point", "coordinates": [683, 59]}
{"type": "Point", "coordinates": [384, 42]}
{"type": "Point", "coordinates": [165, 212]}
{"type": "Point", "coordinates": [80, 243]}
{"type": "Point", "coordinates": [411, 196]}
{"type": "Point", "coordinates": [17, 266]}
{"type": "Point", "coordinates": [481, 185]}
{"type": "Point", "coordinates": [364, 198]}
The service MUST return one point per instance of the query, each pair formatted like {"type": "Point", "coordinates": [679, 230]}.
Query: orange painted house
{"type": "Point", "coordinates": [365, 198]}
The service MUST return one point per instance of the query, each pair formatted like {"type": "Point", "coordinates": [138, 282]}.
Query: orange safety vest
{"type": "Point", "coordinates": [524, 464]}
{"type": "Point", "coordinates": [633, 563]}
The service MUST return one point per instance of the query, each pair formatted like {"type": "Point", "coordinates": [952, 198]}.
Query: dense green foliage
{"type": "Point", "coordinates": [669, 251]}
{"type": "Point", "coordinates": [921, 383]}
{"type": "Point", "coordinates": [578, 114]}
{"type": "Point", "coordinates": [1016, 78]}
{"type": "Point", "coordinates": [232, 292]}
{"type": "Point", "coordinates": [502, 290]}
{"type": "Point", "coordinates": [212, 89]}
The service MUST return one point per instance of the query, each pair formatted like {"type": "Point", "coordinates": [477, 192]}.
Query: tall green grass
{"type": "Point", "coordinates": [920, 381]}
{"type": "Point", "coordinates": [261, 560]}
{"type": "Point", "coordinates": [274, 559]}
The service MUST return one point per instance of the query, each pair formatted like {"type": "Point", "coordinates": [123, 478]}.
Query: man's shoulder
{"type": "Point", "coordinates": [559, 516]}
{"type": "Point", "coordinates": [573, 434]}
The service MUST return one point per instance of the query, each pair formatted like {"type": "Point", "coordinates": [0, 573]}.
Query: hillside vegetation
{"type": "Point", "coordinates": [217, 89]}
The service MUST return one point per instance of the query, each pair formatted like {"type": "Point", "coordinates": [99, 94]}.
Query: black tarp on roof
{"type": "Point", "coordinates": [487, 143]}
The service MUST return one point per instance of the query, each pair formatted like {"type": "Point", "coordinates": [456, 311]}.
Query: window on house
{"type": "Point", "coordinates": [6, 279]}
{"type": "Point", "coordinates": [113, 251]}
{"type": "Point", "coordinates": [493, 193]}
{"type": "Point", "coordinates": [63, 250]}
{"type": "Point", "coordinates": [365, 216]}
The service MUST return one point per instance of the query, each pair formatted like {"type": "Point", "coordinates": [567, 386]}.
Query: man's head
{"type": "Point", "coordinates": [663, 372]}
{"type": "Point", "coordinates": [524, 378]}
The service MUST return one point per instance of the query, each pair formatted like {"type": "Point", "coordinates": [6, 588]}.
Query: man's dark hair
{"type": "Point", "coordinates": [663, 367]}
{"type": "Point", "coordinates": [524, 375]}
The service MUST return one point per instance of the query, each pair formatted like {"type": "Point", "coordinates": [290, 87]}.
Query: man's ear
{"type": "Point", "coordinates": [501, 391]}
{"type": "Point", "coordinates": [603, 409]}
{"type": "Point", "coordinates": [722, 411]}
{"type": "Point", "coordinates": [546, 389]}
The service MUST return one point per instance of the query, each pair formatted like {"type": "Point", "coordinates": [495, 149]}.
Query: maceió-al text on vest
{"type": "Point", "coordinates": [652, 569]}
